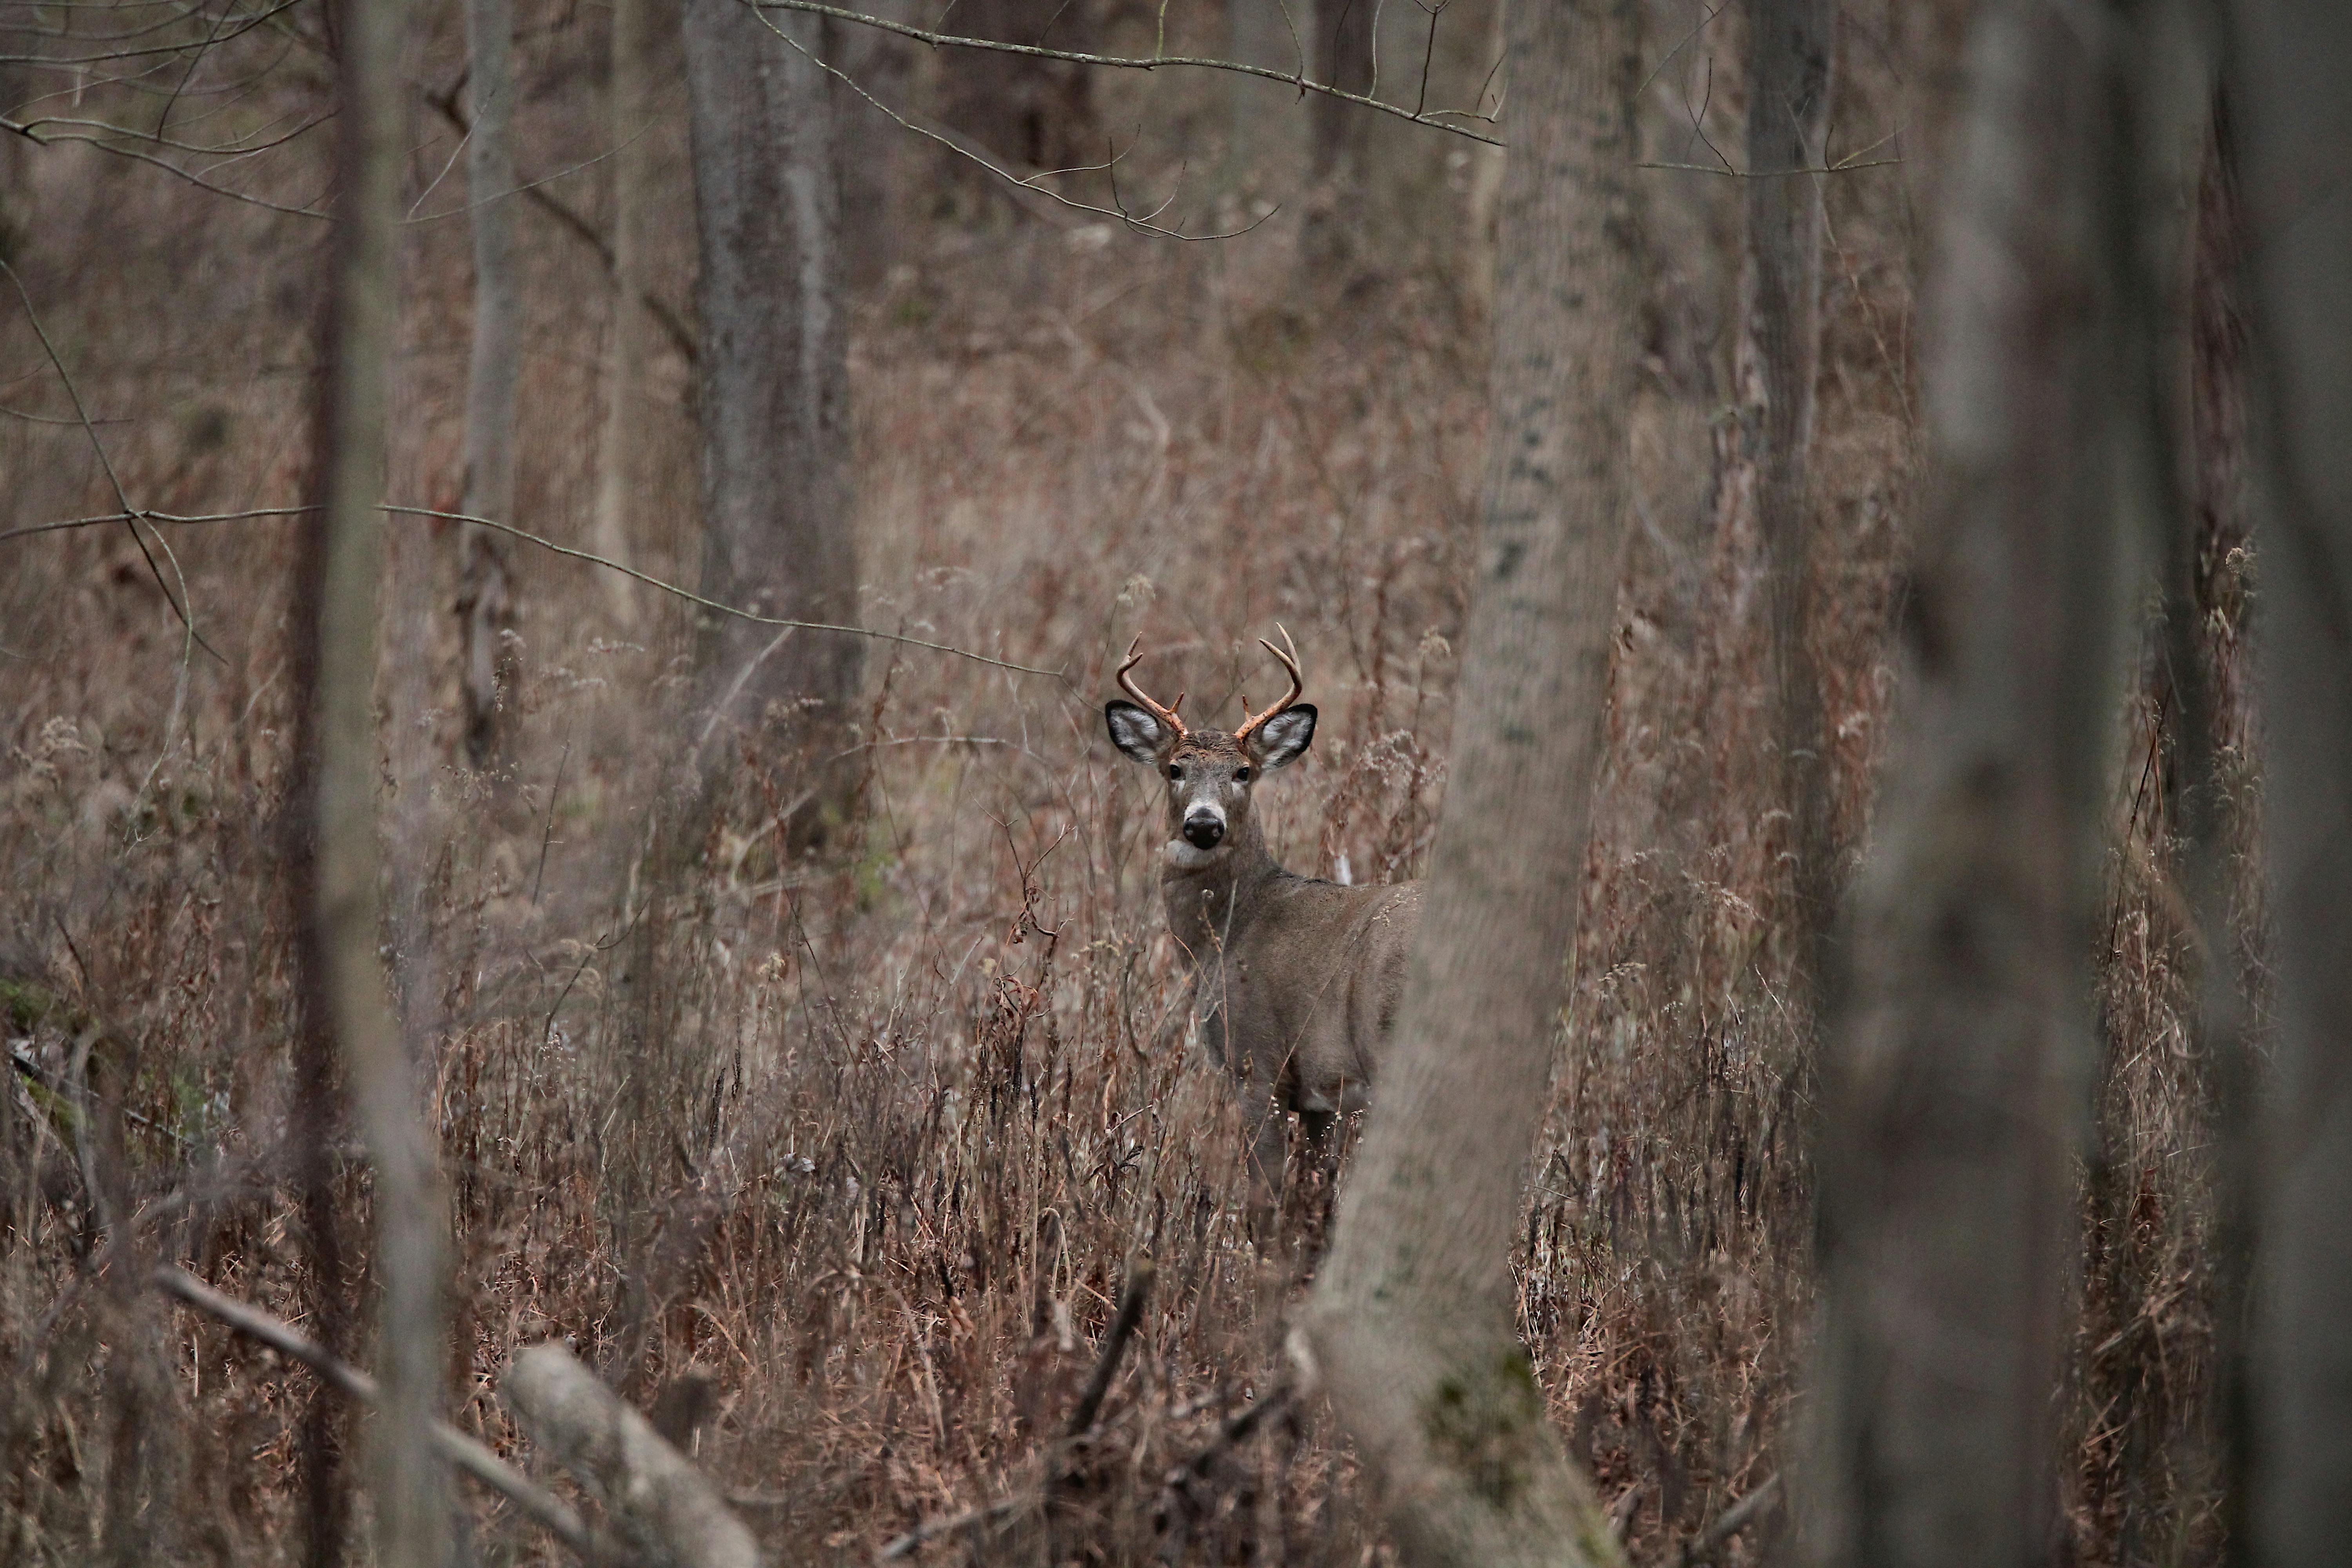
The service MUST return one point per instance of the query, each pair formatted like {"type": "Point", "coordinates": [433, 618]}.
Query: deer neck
{"type": "Point", "coordinates": [1208, 906]}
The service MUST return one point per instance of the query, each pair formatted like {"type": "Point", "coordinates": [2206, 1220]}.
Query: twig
{"type": "Point", "coordinates": [693, 598]}
{"type": "Point", "coordinates": [930, 1530]}
{"type": "Point", "coordinates": [953, 144]}
{"type": "Point", "coordinates": [151, 517]}
{"type": "Point", "coordinates": [1298, 79]}
{"type": "Point", "coordinates": [1122, 1329]}
{"type": "Point", "coordinates": [1731, 1522]}
{"type": "Point", "coordinates": [121, 496]}
{"type": "Point", "coordinates": [547, 835]}
{"type": "Point", "coordinates": [1731, 173]}
{"type": "Point", "coordinates": [456, 1449]}
{"type": "Point", "coordinates": [41, 1075]}
{"type": "Point", "coordinates": [1668, 58]}
{"type": "Point", "coordinates": [1081, 1422]}
{"type": "Point", "coordinates": [681, 336]}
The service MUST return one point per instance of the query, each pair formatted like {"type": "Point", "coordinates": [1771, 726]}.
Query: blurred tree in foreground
{"type": "Point", "coordinates": [2290, 61]}
{"type": "Point", "coordinates": [341, 936]}
{"type": "Point", "coordinates": [1957, 1074]}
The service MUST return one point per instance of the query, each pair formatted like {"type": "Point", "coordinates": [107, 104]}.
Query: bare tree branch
{"type": "Point", "coordinates": [1434, 119]}
{"type": "Point", "coordinates": [462, 1453]}
{"type": "Point", "coordinates": [681, 335]}
{"type": "Point", "coordinates": [151, 517]}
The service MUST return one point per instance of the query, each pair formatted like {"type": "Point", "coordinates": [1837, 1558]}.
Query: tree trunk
{"type": "Point", "coordinates": [778, 511]}
{"type": "Point", "coordinates": [1340, 54]}
{"type": "Point", "coordinates": [341, 936]}
{"type": "Point", "coordinates": [617, 455]}
{"type": "Point", "coordinates": [1956, 1084]}
{"type": "Point", "coordinates": [1032, 113]}
{"type": "Point", "coordinates": [1411, 1327]}
{"type": "Point", "coordinates": [483, 596]}
{"type": "Point", "coordinates": [1791, 48]}
{"type": "Point", "coordinates": [1270, 129]}
{"type": "Point", "coordinates": [2287, 92]}
{"type": "Point", "coordinates": [1388, 200]}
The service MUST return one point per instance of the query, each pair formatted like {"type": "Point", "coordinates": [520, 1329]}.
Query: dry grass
{"type": "Point", "coordinates": [853, 1137]}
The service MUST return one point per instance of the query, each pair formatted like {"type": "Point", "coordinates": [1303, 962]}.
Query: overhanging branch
{"type": "Point", "coordinates": [1436, 119]}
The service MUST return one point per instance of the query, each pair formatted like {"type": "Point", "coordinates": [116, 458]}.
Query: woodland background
{"type": "Point", "coordinates": [831, 1125]}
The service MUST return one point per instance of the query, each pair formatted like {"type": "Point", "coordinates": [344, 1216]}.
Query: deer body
{"type": "Point", "coordinates": [1294, 979]}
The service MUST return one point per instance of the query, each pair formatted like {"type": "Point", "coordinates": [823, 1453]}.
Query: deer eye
{"type": "Point", "coordinates": [1241, 775]}
{"type": "Point", "coordinates": [1175, 772]}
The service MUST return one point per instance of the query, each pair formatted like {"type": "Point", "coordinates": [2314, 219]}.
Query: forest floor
{"type": "Point", "coordinates": [844, 1161]}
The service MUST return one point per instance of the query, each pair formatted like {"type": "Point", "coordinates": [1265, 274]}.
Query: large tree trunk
{"type": "Point", "coordinates": [619, 455]}
{"type": "Point", "coordinates": [485, 593]}
{"type": "Point", "coordinates": [2292, 60]}
{"type": "Point", "coordinates": [1957, 1099]}
{"type": "Point", "coordinates": [1411, 1327]}
{"type": "Point", "coordinates": [1791, 48]}
{"type": "Point", "coordinates": [341, 937]}
{"type": "Point", "coordinates": [778, 519]}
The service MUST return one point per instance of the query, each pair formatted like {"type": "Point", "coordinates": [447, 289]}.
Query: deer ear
{"type": "Point", "coordinates": [1285, 738]}
{"type": "Point", "coordinates": [1135, 733]}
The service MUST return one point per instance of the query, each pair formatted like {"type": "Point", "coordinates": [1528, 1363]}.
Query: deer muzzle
{"type": "Point", "coordinates": [1205, 827]}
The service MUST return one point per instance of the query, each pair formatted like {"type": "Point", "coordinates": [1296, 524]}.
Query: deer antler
{"type": "Point", "coordinates": [1165, 715]}
{"type": "Point", "coordinates": [1298, 685]}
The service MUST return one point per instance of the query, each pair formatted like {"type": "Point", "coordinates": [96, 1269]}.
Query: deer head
{"type": "Point", "coordinates": [1209, 772]}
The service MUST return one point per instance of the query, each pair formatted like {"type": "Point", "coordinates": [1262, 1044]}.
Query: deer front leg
{"type": "Point", "coordinates": [1269, 1148]}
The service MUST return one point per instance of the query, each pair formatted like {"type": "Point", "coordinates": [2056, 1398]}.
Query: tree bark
{"type": "Point", "coordinates": [666, 1509]}
{"type": "Point", "coordinates": [1957, 1082]}
{"type": "Point", "coordinates": [1410, 1329]}
{"type": "Point", "coordinates": [1269, 128]}
{"type": "Point", "coordinates": [1386, 199]}
{"type": "Point", "coordinates": [341, 936]}
{"type": "Point", "coordinates": [619, 455]}
{"type": "Point", "coordinates": [2291, 59]}
{"type": "Point", "coordinates": [777, 512]}
{"type": "Point", "coordinates": [1792, 50]}
{"type": "Point", "coordinates": [485, 595]}
{"type": "Point", "coordinates": [1034, 113]}
{"type": "Point", "coordinates": [1340, 54]}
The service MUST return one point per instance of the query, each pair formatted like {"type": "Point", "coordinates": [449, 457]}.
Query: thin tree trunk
{"type": "Point", "coordinates": [778, 510]}
{"type": "Point", "coordinates": [2292, 60]}
{"type": "Point", "coordinates": [485, 591]}
{"type": "Point", "coordinates": [341, 936]}
{"type": "Point", "coordinates": [1340, 53]}
{"type": "Point", "coordinates": [1791, 49]}
{"type": "Point", "coordinates": [2205, 614]}
{"type": "Point", "coordinates": [1411, 1327]}
{"type": "Point", "coordinates": [1269, 127]}
{"type": "Point", "coordinates": [1957, 1085]}
{"type": "Point", "coordinates": [617, 455]}
{"type": "Point", "coordinates": [1034, 113]}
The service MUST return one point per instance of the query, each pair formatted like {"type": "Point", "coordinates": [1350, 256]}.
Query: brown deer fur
{"type": "Point", "coordinates": [1294, 979]}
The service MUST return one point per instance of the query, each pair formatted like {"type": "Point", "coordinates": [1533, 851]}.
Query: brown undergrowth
{"type": "Point", "coordinates": [843, 1164]}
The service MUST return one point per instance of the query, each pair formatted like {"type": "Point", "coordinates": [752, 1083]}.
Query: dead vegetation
{"type": "Point", "coordinates": [840, 1165]}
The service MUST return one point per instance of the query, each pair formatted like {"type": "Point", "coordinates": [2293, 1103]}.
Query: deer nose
{"type": "Point", "coordinates": [1203, 831]}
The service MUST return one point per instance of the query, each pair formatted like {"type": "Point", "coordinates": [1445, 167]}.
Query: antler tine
{"type": "Point", "coordinates": [1298, 685]}
{"type": "Point", "coordinates": [1165, 715]}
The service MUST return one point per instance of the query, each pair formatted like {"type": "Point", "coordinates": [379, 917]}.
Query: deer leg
{"type": "Point", "coordinates": [1317, 1125]}
{"type": "Point", "coordinates": [1269, 1149]}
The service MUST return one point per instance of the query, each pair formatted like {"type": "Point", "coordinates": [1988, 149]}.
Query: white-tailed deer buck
{"type": "Point", "coordinates": [1294, 981]}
